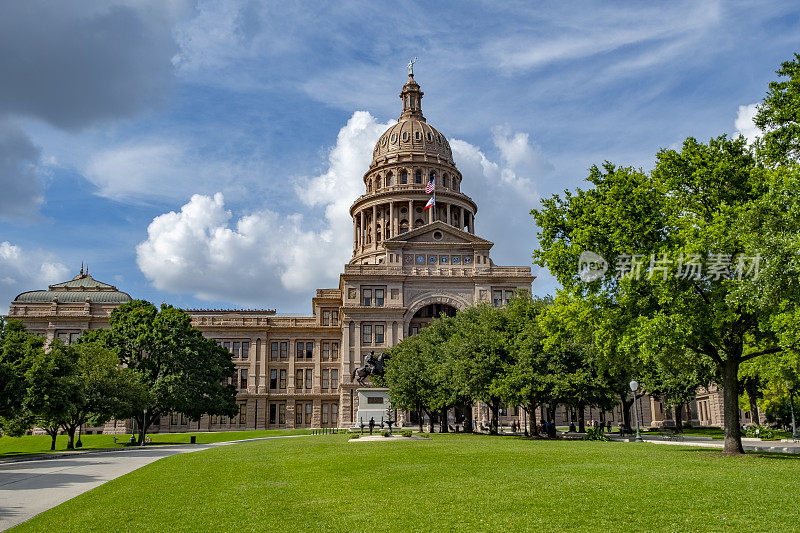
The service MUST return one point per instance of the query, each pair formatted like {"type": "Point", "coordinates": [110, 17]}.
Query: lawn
{"type": "Point", "coordinates": [35, 444]}
{"type": "Point", "coordinates": [451, 482]}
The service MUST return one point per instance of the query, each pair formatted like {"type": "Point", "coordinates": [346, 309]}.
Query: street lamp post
{"type": "Point", "coordinates": [634, 386]}
{"type": "Point", "coordinates": [790, 386]}
{"type": "Point", "coordinates": [144, 422]}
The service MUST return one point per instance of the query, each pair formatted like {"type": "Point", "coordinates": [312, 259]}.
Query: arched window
{"type": "Point", "coordinates": [403, 226]}
{"type": "Point", "coordinates": [419, 222]}
{"type": "Point", "coordinates": [418, 177]}
{"type": "Point", "coordinates": [404, 178]}
{"type": "Point", "coordinates": [417, 135]}
{"type": "Point", "coordinates": [446, 180]}
{"type": "Point", "coordinates": [390, 180]}
{"type": "Point", "coordinates": [369, 185]}
{"type": "Point", "coordinates": [378, 233]}
{"type": "Point", "coordinates": [378, 184]}
{"type": "Point", "coordinates": [432, 176]}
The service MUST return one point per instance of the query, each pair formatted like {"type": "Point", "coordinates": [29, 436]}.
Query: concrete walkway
{"type": "Point", "coordinates": [30, 487]}
{"type": "Point", "coordinates": [749, 445]}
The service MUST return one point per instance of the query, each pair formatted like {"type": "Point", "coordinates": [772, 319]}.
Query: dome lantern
{"type": "Point", "coordinates": [412, 100]}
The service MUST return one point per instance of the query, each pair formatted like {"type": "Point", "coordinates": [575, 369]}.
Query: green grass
{"type": "Point", "coordinates": [37, 444]}
{"type": "Point", "coordinates": [451, 482]}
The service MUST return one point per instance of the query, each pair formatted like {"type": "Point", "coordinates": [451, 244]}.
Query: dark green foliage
{"type": "Point", "coordinates": [182, 370]}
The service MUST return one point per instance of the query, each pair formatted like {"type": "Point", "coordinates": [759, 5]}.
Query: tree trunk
{"type": "Point", "coordinates": [751, 387]}
{"type": "Point", "coordinates": [71, 437]}
{"type": "Point", "coordinates": [421, 416]}
{"type": "Point", "coordinates": [495, 407]}
{"type": "Point", "coordinates": [430, 421]}
{"type": "Point", "coordinates": [626, 409]}
{"type": "Point", "coordinates": [443, 421]}
{"type": "Point", "coordinates": [467, 417]}
{"type": "Point", "coordinates": [678, 418]}
{"type": "Point", "coordinates": [730, 395]}
{"type": "Point", "coordinates": [532, 419]}
{"type": "Point", "coordinates": [581, 419]}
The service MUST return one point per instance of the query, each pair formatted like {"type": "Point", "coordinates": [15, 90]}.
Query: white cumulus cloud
{"type": "Point", "coordinates": [27, 269]}
{"type": "Point", "coordinates": [744, 122]}
{"type": "Point", "coordinates": [265, 258]}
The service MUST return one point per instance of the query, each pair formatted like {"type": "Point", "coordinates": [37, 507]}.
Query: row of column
{"type": "Point", "coordinates": [362, 229]}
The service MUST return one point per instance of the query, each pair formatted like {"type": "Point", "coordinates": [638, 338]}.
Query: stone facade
{"type": "Point", "coordinates": [409, 264]}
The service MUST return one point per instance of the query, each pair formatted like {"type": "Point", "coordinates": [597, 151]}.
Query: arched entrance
{"type": "Point", "coordinates": [422, 318]}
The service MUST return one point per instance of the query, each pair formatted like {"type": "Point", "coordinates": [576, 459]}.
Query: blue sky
{"type": "Point", "coordinates": [205, 153]}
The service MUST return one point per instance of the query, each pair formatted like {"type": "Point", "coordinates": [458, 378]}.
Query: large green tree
{"type": "Point", "coordinates": [183, 371]}
{"type": "Point", "coordinates": [18, 349]}
{"type": "Point", "coordinates": [690, 208]}
{"type": "Point", "coordinates": [778, 115]}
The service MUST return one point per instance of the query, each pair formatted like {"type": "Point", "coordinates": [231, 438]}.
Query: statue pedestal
{"type": "Point", "coordinates": [372, 403]}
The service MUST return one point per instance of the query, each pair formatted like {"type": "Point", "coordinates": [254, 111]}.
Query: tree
{"type": "Point", "coordinates": [778, 116]}
{"type": "Point", "coordinates": [693, 203]}
{"type": "Point", "coordinates": [410, 375]}
{"type": "Point", "coordinates": [17, 351]}
{"type": "Point", "coordinates": [182, 370]}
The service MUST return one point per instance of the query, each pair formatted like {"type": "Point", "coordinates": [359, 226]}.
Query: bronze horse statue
{"type": "Point", "coordinates": [373, 366]}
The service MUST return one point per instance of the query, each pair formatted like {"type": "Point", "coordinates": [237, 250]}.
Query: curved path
{"type": "Point", "coordinates": [30, 487]}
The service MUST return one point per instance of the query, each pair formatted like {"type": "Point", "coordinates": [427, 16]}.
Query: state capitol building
{"type": "Point", "coordinates": [409, 264]}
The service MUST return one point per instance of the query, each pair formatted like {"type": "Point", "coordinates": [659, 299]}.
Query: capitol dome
{"type": "Point", "coordinates": [412, 133]}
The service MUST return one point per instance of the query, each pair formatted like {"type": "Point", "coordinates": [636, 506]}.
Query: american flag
{"type": "Point", "coordinates": [429, 187]}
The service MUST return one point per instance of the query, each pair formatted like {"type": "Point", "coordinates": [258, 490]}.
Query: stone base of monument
{"type": "Point", "coordinates": [372, 404]}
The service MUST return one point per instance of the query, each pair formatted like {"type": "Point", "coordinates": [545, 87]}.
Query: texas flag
{"type": "Point", "coordinates": [430, 186]}
{"type": "Point", "coordinates": [431, 202]}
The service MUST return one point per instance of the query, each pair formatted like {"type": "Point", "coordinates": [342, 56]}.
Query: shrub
{"type": "Point", "coordinates": [594, 434]}
{"type": "Point", "coordinates": [386, 433]}
{"type": "Point", "coordinates": [764, 433]}
{"type": "Point", "coordinates": [355, 435]}
{"type": "Point", "coordinates": [406, 433]}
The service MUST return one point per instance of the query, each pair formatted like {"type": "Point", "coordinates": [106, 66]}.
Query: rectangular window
{"type": "Point", "coordinates": [334, 351]}
{"type": "Point", "coordinates": [309, 378]}
{"type": "Point", "coordinates": [282, 413]}
{"type": "Point", "coordinates": [236, 349]}
{"type": "Point", "coordinates": [301, 350]}
{"type": "Point", "coordinates": [183, 419]}
{"type": "Point", "coordinates": [334, 413]}
{"type": "Point", "coordinates": [325, 413]}
{"type": "Point", "coordinates": [243, 379]}
{"type": "Point", "coordinates": [273, 379]}
{"type": "Point", "coordinates": [379, 293]}
{"type": "Point", "coordinates": [309, 350]}
{"type": "Point", "coordinates": [298, 379]}
{"type": "Point", "coordinates": [282, 383]}
{"type": "Point", "coordinates": [273, 353]}
{"type": "Point", "coordinates": [273, 413]}
{"type": "Point", "coordinates": [326, 318]}
{"type": "Point", "coordinates": [378, 333]}
{"type": "Point", "coordinates": [298, 414]}
{"type": "Point", "coordinates": [284, 350]}
{"type": "Point", "coordinates": [173, 418]}
{"type": "Point", "coordinates": [227, 346]}
{"type": "Point", "coordinates": [414, 330]}
{"type": "Point", "coordinates": [418, 177]}
{"type": "Point", "coordinates": [245, 350]}
{"type": "Point", "coordinates": [366, 333]}
{"type": "Point", "coordinates": [325, 377]}
{"type": "Point", "coordinates": [309, 409]}
{"type": "Point", "coordinates": [334, 378]}
{"type": "Point", "coordinates": [214, 419]}
{"type": "Point", "coordinates": [497, 298]}
{"type": "Point", "coordinates": [326, 351]}
{"type": "Point", "coordinates": [367, 297]}
{"type": "Point", "coordinates": [334, 318]}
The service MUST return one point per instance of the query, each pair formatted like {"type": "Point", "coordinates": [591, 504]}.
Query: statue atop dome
{"type": "Point", "coordinates": [410, 66]}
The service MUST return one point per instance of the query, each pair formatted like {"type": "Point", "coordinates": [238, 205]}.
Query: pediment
{"type": "Point", "coordinates": [437, 233]}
